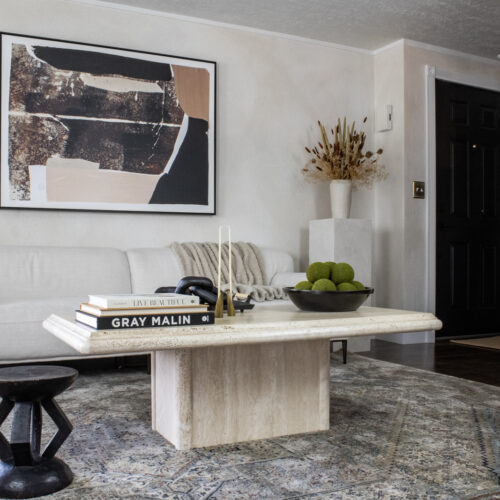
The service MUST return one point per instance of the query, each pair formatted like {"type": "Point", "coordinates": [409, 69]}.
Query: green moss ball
{"type": "Point", "coordinates": [346, 287]}
{"type": "Point", "coordinates": [342, 272]}
{"type": "Point", "coordinates": [303, 285]}
{"type": "Point", "coordinates": [330, 264]}
{"type": "Point", "coordinates": [358, 285]}
{"type": "Point", "coordinates": [324, 285]}
{"type": "Point", "coordinates": [317, 271]}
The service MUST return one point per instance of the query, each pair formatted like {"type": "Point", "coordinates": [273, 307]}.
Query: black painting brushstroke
{"type": "Point", "coordinates": [42, 90]}
{"type": "Point", "coordinates": [187, 180]}
{"type": "Point", "coordinates": [29, 144]}
{"type": "Point", "coordinates": [97, 63]}
{"type": "Point", "coordinates": [98, 103]}
{"type": "Point", "coordinates": [129, 147]}
{"type": "Point", "coordinates": [20, 88]}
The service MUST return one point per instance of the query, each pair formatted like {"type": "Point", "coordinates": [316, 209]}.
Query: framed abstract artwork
{"type": "Point", "coordinates": [85, 127]}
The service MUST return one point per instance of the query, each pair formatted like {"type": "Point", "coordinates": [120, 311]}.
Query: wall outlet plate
{"type": "Point", "coordinates": [418, 189]}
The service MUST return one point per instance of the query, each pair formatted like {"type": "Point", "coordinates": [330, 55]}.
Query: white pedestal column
{"type": "Point", "coordinates": [345, 240]}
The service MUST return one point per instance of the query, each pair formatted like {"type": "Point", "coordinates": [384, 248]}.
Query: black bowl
{"type": "Point", "coordinates": [320, 301]}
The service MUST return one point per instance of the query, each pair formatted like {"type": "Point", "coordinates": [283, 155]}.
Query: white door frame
{"type": "Point", "coordinates": [431, 74]}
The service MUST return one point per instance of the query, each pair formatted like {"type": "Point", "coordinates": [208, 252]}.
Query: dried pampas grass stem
{"type": "Point", "coordinates": [343, 158]}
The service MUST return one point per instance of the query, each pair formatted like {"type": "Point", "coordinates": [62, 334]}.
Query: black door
{"type": "Point", "coordinates": [468, 209]}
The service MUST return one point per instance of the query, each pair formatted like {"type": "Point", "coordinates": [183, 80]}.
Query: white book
{"type": "Point", "coordinates": [99, 311]}
{"type": "Point", "coordinates": [149, 300]}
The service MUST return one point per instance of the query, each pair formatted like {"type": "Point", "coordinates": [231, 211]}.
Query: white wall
{"type": "Point", "coordinates": [402, 257]}
{"type": "Point", "coordinates": [461, 68]}
{"type": "Point", "coordinates": [271, 90]}
{"type": "Point", "coordinates": [389, 254]}
{"type": "Point", "coordinates": [388, 225]}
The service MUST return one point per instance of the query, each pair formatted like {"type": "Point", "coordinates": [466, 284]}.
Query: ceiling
{"type": "Point", "coordinates": [471, 26]}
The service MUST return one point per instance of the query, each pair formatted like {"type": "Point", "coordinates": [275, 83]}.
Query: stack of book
{"type": "Point", "coordinates": [109, 312]}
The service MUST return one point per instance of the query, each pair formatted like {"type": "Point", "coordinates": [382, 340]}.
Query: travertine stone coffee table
{"type": "Point", "coordinates": [260, 374]}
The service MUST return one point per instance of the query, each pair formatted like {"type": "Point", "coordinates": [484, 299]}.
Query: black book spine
{"type": "Point", "coordinates": [149, 320]}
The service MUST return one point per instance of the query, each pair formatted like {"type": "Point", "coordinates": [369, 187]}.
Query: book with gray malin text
{"type": "Point", "coordinates": [127, 301]}
{"type": "Point", "coordinates": [145, 320]}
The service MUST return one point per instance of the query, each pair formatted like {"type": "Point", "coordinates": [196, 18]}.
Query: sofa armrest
{"type": "Point", "coordinates": [287, 279]}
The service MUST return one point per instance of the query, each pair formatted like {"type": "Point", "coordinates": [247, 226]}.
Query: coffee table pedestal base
{"type": "Point", "coordinates": [210, 396]}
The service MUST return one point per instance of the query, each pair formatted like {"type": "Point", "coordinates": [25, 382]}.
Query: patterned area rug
{"type": "Point", "coordinates": [396, 433]}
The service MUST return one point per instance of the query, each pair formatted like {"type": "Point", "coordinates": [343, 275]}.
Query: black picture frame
{"type": "Point", "coordinates": [90, 127]}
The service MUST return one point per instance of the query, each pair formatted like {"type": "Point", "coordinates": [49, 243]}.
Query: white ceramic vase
{"type": "Point", "coordinates": [340, 198]}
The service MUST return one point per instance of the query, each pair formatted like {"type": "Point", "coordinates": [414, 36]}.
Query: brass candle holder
{"type": "Point", "coordinates": [219, 305]}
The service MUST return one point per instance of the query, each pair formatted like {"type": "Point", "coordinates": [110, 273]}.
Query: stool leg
{"type": "Point", "coordinates": [344, 351]}
{"type": "Point", "coordinates": [5, 451]}
{"type": "Point", "coordinates": [63, 424]}
{"type": "Point", "coordinates": [20, 441]}
{"type": "Point", "coordinates": [36, 429]}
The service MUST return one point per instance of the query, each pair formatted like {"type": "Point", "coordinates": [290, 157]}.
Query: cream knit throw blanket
{"type": "Point", "coordinates": [201, 259]}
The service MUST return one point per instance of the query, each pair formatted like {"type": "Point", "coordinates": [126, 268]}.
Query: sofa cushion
{"type": "Point", "coordinates": [44, 272]}
{"type": "Point", "coordinates": [29, 341]}
{"type": "Point", "coordinates": [288, 279]}
{"type": "Point", "coordinates": [270, 303]}
{"type": "Point", "coordinates": [21, 311]}
{"type": "Point", "coordinates": [276, 261]}
{"type": "Point", "coordinates": [152, 268]}
{"type": "Point", "coordinates": [21, 333]}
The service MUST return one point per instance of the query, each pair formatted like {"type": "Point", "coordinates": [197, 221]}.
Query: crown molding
{"type": "Point", "coordinates": [238, 27]}
{"type": "Point", "coordinates": [436, 48]}
{"type": "Point", "coordinates": [389, 46]}
{"type": "Point", "coordinates": [299, 39]}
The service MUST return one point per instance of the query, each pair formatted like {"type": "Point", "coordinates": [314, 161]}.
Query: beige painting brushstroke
{"type": "Point", "coordinates": [120, 84]}
{"type": "Point", "coordinates": [83, 184]}
{"type": "Point", "coordinates": [192, 86]}
{"type": "Point", "coordinates": [58, 161]}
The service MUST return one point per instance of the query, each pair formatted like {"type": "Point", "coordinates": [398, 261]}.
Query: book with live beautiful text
{"type": "Point", "coordinates": [128, 301]}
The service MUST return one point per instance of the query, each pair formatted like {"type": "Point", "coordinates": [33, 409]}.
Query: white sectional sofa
{"type": "Point", "coordinates": [38, 281]}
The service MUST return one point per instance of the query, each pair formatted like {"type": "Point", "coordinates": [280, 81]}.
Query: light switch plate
{"type": "Point", "coordinates": [418, 189]}
{"type": "Point", "coordinates": [383, 118]}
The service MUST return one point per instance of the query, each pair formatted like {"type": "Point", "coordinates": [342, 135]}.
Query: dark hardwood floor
{"type": "Point", "coordinates": [473, 363]}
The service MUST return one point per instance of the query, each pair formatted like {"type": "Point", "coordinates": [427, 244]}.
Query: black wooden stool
{"type": "Point", "coordinates": [24, 471]}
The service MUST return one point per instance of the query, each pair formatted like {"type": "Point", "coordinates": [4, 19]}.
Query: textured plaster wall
{"type": "Point", "coordinates": [270, 92]}
{"type": "Point", "coordinates": [389, 252]}
{"type": "Point", "coordinates": [389, 200]}
{"type": "Point", "coordinates": [401, 234]}
{"type": "Point", "coordinates": [462, 69]}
